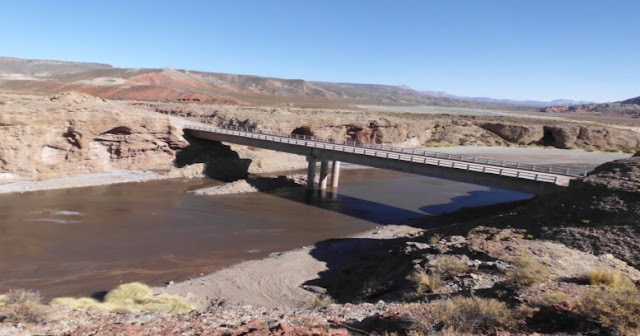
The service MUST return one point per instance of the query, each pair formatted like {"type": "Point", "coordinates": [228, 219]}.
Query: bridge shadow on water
{"type": "Point", "coordinates": [475, 198]}
{"type": "Point", "coordinates": [384, 214]}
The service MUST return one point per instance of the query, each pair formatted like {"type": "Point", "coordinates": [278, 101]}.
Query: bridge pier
{"type": "Point", "coordinates": [335, 174]}
{"type": "Point", "coordinates": [311, 172]}
{"type": "Point", "coordinates": [324, 173]}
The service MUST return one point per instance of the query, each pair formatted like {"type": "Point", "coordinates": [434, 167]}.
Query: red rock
{"type": "Point", "coordinates": [565, 306]}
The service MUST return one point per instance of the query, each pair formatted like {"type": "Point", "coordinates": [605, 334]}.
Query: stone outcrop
{"type": "Point", "coordinates": [514, 133]}
{"type": "Point", "coordinates": [561, 136]}
{"type": "Point", "coordinates": [601, 137]}
{"type": "Point", "coordinates": [565, 135]}
{"type": "Point", "coordinates": [73, 135]}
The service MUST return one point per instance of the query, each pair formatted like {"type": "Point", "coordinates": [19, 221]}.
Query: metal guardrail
{"type": "Point", "coordinates": [484, 165]}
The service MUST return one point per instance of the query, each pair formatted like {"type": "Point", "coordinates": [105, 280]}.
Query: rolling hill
{"type": "Point", "coordinates": [168, 84]}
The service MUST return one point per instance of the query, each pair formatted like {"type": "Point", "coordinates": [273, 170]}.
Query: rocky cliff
{"type": "Point", "coordinates": [413, 129]}
{"type": "Point", "coordinates": [73, 133]}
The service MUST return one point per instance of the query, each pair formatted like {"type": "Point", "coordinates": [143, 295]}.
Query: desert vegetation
{"type": "Point", "coordinates": [616, 309]}
{"type": "Point", "coordinates": [23, 306]}
{"type": "Point", "coordinates": [527, 271]}
{"type": "Point", "coordinates": [129, 298]}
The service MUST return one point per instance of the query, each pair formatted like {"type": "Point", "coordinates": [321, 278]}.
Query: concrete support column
{"type": "Point", "coordinates": [311, 172]}
{"type": "Point", "coordinates": [335, 174]}
{"type": "Point", "coordinates": [324, 172]}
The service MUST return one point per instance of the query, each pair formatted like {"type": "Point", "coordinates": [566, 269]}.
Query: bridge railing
{"type": "Point", "coordinates": [467, 162]}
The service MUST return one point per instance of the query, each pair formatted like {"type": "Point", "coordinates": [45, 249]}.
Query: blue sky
{"type": "Point", "coordinates": [518, 49]}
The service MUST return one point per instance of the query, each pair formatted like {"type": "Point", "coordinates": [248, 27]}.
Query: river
{"type": "Point", "coordinates": [86, 240]}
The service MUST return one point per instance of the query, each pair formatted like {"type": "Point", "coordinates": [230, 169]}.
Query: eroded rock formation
{"type": "Point", "coordinates": [63, 137]}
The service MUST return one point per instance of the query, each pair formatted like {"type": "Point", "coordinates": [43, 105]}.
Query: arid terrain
{"type": "Point", "coordinates": [565, 263]}
{"type": "Point", "coordinates": [72, 133]}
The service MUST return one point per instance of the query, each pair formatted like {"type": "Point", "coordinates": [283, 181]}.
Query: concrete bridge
{"type": "Point", "coordinates": [527, 178]}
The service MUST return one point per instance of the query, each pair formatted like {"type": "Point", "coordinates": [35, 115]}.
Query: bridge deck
{"type": "Point", "coordinates": [327, 149]}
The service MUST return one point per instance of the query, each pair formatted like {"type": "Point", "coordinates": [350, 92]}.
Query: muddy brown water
{"type": "Point", "coordinates": [87, 240]}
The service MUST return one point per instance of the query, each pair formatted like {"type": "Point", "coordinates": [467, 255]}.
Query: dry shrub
{"type": "Point", "coordinates": [129, 298]}
{"type": "Point", "coordinates": [617, 309]}
{"type": "Point", "coordinates": [321, 301]}
{"type": "Point", "coordinates": [465, 316]}
{"type": "Point", "coordinates": [609, 278]}
{"type": "Point", "coordinates": [527, 271]}
{"type": "Point", "coordinates": [425, 283]}
{"type": "Point", "coordinates": [550, 299]}
{"type": "Point", "coordinates": [449, 264]}
{"type": "Point", "coordinates": [23, 306]}
{"type": "Point", "coordinates": [473, 314]}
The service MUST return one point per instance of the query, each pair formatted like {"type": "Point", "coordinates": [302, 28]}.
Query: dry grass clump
{"type": "Point", "coordinates": [435, 238]}
{"type": "Point", "coordinates": [550, 299]}
{"type": "Point", "coordinates": [133, 297]}
{"type": "Point", "coordinates": [321, 301]}
{"type": "Point", "coordinates": [609, 278]}
{"type": "Point", "coordinates": [527, 271]}
{"type": "Point", "coordinates": [465, 316]}
{"type": "Point", "coordinates": [23, 306]}
{"type": "Point", "coordinates": [449, 264]}
{"type": "Point", "coordinates": [425, 283]}
{"type": "Point", "coordinates": [617, 309]}
{"type": "Point", "coordinates": [474, 314]}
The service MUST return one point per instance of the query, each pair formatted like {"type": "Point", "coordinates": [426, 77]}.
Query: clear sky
{"type": "Point", "coordinates": [517, 49]}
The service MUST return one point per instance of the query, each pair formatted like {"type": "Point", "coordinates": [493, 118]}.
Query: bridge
{"type": "Point", "coordinates": [522, 177]}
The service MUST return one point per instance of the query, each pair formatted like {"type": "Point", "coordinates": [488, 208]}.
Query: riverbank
{"type": "Point", "coordinates": [279, 280]}
{"type": "Point", "coordinates": [83, 180]}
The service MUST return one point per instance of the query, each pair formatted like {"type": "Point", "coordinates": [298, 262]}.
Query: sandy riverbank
{"type": "Point", "coordinates": [278, 280]}
{"type": "Point", "coordinates": [84, 180]}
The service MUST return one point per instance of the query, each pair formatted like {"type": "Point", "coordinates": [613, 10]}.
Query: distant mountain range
{"type": "Point", "coordinates": [625, 108]}
{"type": "Point", "coordinates": [103, 80]}
{"type": "Point", "coordinates": [533, 103]}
